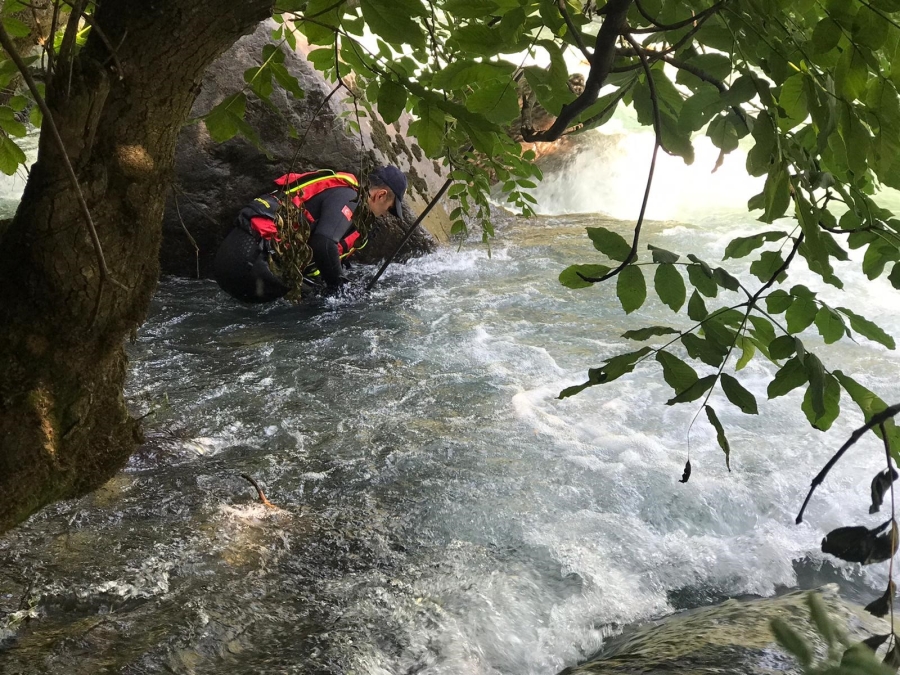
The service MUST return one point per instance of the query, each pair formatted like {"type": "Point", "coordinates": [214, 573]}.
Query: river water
{"type": "Point", "coordinates": [440, 510]}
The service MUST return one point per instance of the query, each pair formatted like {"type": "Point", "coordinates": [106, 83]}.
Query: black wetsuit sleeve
{"type": "Point", "coordinates": [325, 254]}
{"type": "Point", "coordinates": [332, 210]}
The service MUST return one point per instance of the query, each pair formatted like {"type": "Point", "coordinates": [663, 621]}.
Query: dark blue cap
{"type": "Point", "coordinates": [395, 179]}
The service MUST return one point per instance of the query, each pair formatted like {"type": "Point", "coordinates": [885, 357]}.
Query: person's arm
{"type": "Point", "coordinates": [325, 254]}
{"type": "Point", "coordinates": [333, 211]}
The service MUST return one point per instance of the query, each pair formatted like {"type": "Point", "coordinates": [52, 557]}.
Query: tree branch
{"type": "Point", "coordinates": [657, 127]}
{"type": "Point", "coordinates": [876, 420]}
{"type": "Point", "coordinates": [601, 63]}
{"type": "Point", "coordinates": [658, 27]}
{"type": "Point", "coordinates": [576, 34]}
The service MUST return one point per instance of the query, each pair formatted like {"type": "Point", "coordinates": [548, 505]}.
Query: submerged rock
{"type": "Point", "coordinates": [214, 180]}
{"type": "Point", "coordinates": [730, 638]}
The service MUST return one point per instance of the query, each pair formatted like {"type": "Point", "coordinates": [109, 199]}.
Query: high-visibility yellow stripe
{"type": "Point", "coordinates": [347, 177]}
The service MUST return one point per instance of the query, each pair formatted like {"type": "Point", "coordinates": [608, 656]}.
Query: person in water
{"type": "Point", "coordinates": [327, 200]}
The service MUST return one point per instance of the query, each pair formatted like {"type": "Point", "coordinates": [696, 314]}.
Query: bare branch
{"type": "Point", "coordinates": [876, 420]}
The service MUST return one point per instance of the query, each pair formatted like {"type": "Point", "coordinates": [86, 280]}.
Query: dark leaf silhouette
{"type": "Point", "coordinates": [880, 485]}
{"type": "Point", "coordinates": [856, 654]}
{"type": "Point", "coordinates": [860, 544]}
{"type": "Point", "coordinates": [875, 641]}
{"type": "Point", "coordinates": [687, 473]}
{"type": "Point", "coordinates": [892, 658]}
{"type": "Point", "coordinates": [882, 605]}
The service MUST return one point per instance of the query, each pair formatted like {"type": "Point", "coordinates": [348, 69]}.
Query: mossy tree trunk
{"type": "Point", "coordinates": [64, 426]}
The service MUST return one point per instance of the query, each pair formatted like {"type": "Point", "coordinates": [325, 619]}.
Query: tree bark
{"type": "Point", "coordinates": [64, 426]}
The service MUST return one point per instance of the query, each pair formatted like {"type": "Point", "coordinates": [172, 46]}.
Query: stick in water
{"type": "Point", "coordinates": [262, 495]}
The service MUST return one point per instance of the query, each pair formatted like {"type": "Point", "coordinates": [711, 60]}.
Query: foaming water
{"type": "Point", "coordinates": [605, 171]}
{"type": "Point", "coordinates": [440, 510]}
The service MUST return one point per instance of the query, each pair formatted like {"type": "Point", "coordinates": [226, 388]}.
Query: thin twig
{"type": "Point", "coordinates": [576, 34]}
{"type": "Point", "coordinates": [7, 44]}
{"type": "Point", "coordinates": [189, 236]}
{"type": "Point", "coordinates": [68, 42]}
{"type": "Point", "coordinates": [112, 50]}
{"type": "Point", "coordinates": [658, 27]}
{"type": "Point", "coordinates": [890, 474]}
{"type": "Point", "coordinates": [876, 420]}
{"type": "Point", "coordinates": [657, 127]}
{"type": "Point", "coordinates": [262, 495]}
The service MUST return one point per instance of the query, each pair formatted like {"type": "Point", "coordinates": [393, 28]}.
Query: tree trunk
{"type": "Point", "coordinates": [64, 427]}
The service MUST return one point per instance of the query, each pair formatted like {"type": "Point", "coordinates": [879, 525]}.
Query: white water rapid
{"type": "Point", "coordinates": [442, 512]}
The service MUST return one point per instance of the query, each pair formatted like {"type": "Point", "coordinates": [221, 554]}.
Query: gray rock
{"type": "Point", "coordinates": [732, 638]}
{"type": "Point", "coordinates": [213, 181]}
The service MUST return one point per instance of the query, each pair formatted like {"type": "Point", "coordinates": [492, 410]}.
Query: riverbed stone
{"type": "Point", "coordinates": [214, 180]}
{"type": "Point", "coordinates": [732, 638]}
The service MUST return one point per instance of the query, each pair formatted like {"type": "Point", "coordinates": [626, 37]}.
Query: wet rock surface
{"type": "Point", "coordinates": [730, 638]}
{"type": "Point", "coordinates": [213, 180]}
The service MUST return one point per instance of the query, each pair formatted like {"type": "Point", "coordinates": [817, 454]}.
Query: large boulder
{"type": "Point", "coordinates": [213, 180]}
{"type": "Point", "coordinates": [732, 638]}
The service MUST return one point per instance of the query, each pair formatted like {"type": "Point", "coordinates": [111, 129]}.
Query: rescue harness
{"type": "Point", "coordinates": [269, 216]}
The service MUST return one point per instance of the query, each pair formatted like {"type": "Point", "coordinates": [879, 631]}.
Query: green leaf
{"type": "Point", "coordinates": [669, 286]}
{"type": "Point", "coordinates": [779, 301]}
{"type": "Point", "coordinates": [224, 121]}
{"type": "Point", "coordinates": [790, 376]}
{"type": "Point", "coordinates": [816, 391]}
{"type": "Point", "coordinates": [15, 27]}
{"type": "Point", "coordinates": [649, 332]}
{"type": "Point", "coordinates": [763, 330]}
{"type": "Point", "coordinates": [738, 395]}
{"type": "Point", "coordinates": [868, 329]}
{"type": "Point", "coordinates": [696, 307]}
{"type": "Point", "coordinates": [870, 404]}
{"type": "Point", "coordinates": [777, 194]}
{"type": "Point", "coordinates": [695, 391]}
{"type": "Point", "coordinates": [429, 127]}
{"type": "Point", "coordinates": [390, 19]}
{"type": "Point", "coordinates": [748, 349]}
{"type": "Point", "coordinates": [11, 156]}
{"type": "Point", "coordinates": [894, 277]}
{"type": "Point", "coordinates": [611, 244]}
{"type": "Point", "coordinates": [720, 434]}
{"type": "Point", "coordinates": [661, 255]}
{"type": "Point", "coordinates": [497, 101]}
{"type": "Point", "coordinates": [571, 277]}
{"type": "Point", "coordinates": [830, 324]}
{"type": "Point", "coordinates": [710, 353]}
{"type": "Point", "coordinates": [801, 314]}
{"type": "Point", "coordinates": [677, 374]}
{"type": "Point", "coordinates": [831, 397]}
{"type": "Point", "coordinates": [631, 288]}
{"type": "Point", "coordinates": [742, 246]}
{"type": "Point", "coordinates": [851, 74]}
{"type": "Point", "coordinates": [825, 36]}
{"type": "Point", "coordinates": [391, 101]}
{"type": "Point", "coordinates": [464, 73]}
{"type": "Point", "coordinates": [724, 279]}
{"type": "Point", "coordinates": [782, 347]}
{"type": "Point", "coordinates": [769, 262]}
{"type": "Point", "coordinates": [792, 100]}
{"type": "Point", "coordinates": [702, 281]}
{"type": "Point", "coordinates": [613, 369]}
{"type": "Point", "coordinates": [791, 641]}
